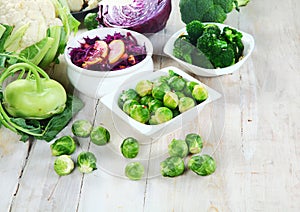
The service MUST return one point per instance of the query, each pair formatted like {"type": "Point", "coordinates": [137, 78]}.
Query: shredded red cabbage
{"type": "Point", "coordinates": [134, 53]}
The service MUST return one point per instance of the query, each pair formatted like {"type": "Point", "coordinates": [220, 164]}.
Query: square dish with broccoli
{"type": "Point", "coordinates": [210, 49]}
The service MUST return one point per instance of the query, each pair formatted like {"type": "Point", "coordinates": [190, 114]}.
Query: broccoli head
{"type": "Point", "coordinates": [212, 29]}
{"type": "Point", "coordinates": [234, 39]}
{"type": "Point", "coordinates": [194, 30]}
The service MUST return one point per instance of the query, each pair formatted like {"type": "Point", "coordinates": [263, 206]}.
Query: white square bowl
{"type": "Point", "coordinates": [247, 40]}
{"type": "Point", "coordinates": [153, 131]}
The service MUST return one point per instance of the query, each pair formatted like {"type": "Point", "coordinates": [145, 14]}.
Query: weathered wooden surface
{"type": "Point", "coordinates": [252, 132]}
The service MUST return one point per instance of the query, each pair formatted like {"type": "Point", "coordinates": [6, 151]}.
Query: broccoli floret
{"type": "Point", "coordinates": [227, 5]}
{"type": "Point", "coordinates": [212, 29]}
{"type": "Point", "coordinates": [234, 39]}
{"type": "Point", "coordinates": [194, 30]}
{"type": "Point", "coordinates": [224, 58]}
{"type": "Point", "coordinates": [183, 49]}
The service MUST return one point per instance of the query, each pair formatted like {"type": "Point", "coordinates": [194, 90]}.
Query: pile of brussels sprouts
{"type": "Point", "coordinates": [65, 146]}
{"type": "Point", "coordinates": [158, 101]}
{"type": "Point", "coordinates": [178, 149]}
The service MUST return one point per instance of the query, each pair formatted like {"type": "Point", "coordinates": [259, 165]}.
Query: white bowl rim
{"type": "Point", "coordinates": [107, 30]}
{"type": "Point", "coordinates": [214, 71]}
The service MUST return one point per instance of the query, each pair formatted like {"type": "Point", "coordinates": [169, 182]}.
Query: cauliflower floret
{"type": "Point", "coordinates": [40, 14]}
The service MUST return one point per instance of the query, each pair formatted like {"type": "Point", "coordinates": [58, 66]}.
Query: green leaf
{"type": "Point", "coordinates": [12, 43]}
{"type": "Point", "coordinates": [4, 34]}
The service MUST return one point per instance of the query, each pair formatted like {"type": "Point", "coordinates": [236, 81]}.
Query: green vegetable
{"type": "Point", "coordinates": [81, 128]}
{"type": "Point", "coordinates": [86, 162]}
{"type": "Point", "coordinates": [200, 93]}
{"type": "Point", "coordinates": [127, 95]}
{"type": "Point", "coordinates": [177, 83]}
{"type": "Point", "coordinates": [4, 35]}
{"type": "Point", "coordinates": [208, 10]}
{"type": "Point", "coordinates": [186, 103]}
{"type": "Point", "coordinates": [130, 147]}
{"type": "Point", "coordinates": [145, 100]}
{"type": "Point", "coordinates": [63, 146]}
{"type": "Point", "coordinates": [144, 87]}
{"type": "Point", "coordinates": [134, 170]}
{"type": "Point", "coordinates": [90, 21]}
{"type": "Point", "coordinates": [128, 105]}
{"type": "Point", "coordinates": [159, 90]}
{"type": "Point", "coordinates": [172, 166]}
{"type": "Point", "coordinates": [194, 30]}
{"type": "Point", "coordinates": [194, 142]}
{"type": "Point", "coordinates": [202, 165]}
{"type": "Point", "coordinates": [100, 135]}
{"type": "Point", "coordinates": [140, 113]}
{"type": "Point", "coordinates": [161, 115]}
{"type": "Point", "coordinates": [63, 165]}
{"type": "Point", "coordinates": [178, 148]}
{"type": "Point", "coordinates": [171, 100]}
{"type": "Point", "coordinates": [154, 105]}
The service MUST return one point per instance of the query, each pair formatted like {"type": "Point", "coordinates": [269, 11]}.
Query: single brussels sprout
{"type": "Point", "coordinates": [200, 93]}
{"type": "Point", "coordinates": [63, 146]}
{"type": "Point", "coordinates": [162, 79]}
{"type": "Point", "coordinates": [134, 170]}
{"type": "Point", "coordinates": [154, 105]}
{"type": "Point", "coordinates": [189, 88]}
{"type": "Point", "coordinates": [100, 135]}
{"type": "Point", "coordinates": [128, 105]}
{"type": "Point", "coordinates": [126, 95]}
{"type": "Point", "coordinates": [162, 114]}
{"type": "Point", "coordinates": [159, 90]}
{"type": "Point", "coordinates": [152, 121]}
{"type": "Point", "coordinates": [177, 83]}
{"type": "Point", "coordinates": [86, 162]}
{"type": "Point", "coordinates": [194, 142]}
{"type": "Point", "coordinates": [63, 165]}
{"type": "Point", "coordinates": [170, 100]}
{"type": "Point", "coordinates": [146, 99]}
{"type": "Point", "coordinates": [172, 166]}
{"type": "Point", "coordinates": [82, 128]}
{"type": "Point", "coordinates": [140, 113]}
{"type": "Point", "coordinates": [144, 87]}
{"type": "Point", "coordinates": [202, 165]}
{"type": "Point", "coordinates": [178, 148]}
{"type": "Point", "coordinates": [130, 147]}
{"type": "Point", "coordinates": [185, 103]}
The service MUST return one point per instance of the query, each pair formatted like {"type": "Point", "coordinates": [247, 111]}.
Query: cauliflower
{"type": "Point", "coordinates": [38, 14]}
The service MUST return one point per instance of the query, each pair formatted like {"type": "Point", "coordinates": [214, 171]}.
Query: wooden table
{"type": "Point", "coordinates": [252, 132]}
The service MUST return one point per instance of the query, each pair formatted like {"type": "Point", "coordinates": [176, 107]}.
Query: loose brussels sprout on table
{"type": "Point", "coordinates": [63, 146]}
{"type": "Point", "coordinates": [63, 165]}
{"type": "Point", "coordinates": [130, 147]}
{"type": "Point", "coordinates": [194, 142]}
{"type": "Point", "coordinates": [134, 170]}
{"type": "Point", "coordinates": [100, 135]}
{"type": "Point", "coordinates": [172, 166]}
{"type": "Point", "coordinates": [82, 128]}
{"type": "Point", "coordinates": [178, 148]}
{"type": "Point", "coordinates": [202, 165]}
{"type": "Point", "coordinates": [86, 162]}
{"type": "Point", "coordinates": [171, 91]}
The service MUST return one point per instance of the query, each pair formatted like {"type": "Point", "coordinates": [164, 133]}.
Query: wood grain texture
{"type": "Point", "coordinates": [252, 132]}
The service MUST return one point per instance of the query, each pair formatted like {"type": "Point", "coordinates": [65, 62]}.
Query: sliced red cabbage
{"type": "Point", "coordinates": [144, 16]}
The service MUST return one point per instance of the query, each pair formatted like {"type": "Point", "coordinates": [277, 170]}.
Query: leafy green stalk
{"type": "Point", "coordinates": [12, 42]}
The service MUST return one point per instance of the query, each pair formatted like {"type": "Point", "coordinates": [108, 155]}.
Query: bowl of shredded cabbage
{"type": "Point", "coordinates": [101, 59]}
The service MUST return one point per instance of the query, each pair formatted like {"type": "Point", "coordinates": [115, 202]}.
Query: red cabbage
{"type": "Point", "coordinates": [144, 16]}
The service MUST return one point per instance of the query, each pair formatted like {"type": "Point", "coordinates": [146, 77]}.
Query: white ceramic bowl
{"type": "Point", "coordinates": [248, 42]}
{"type": "Point", "coordinates": [96, 84]}
{"type": "Point", "coordinates": [111, 102]}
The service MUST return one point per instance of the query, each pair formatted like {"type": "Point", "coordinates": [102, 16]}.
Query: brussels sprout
{"type": "Point", "coordinates": [177, 83]}
{"type": "Point", "coordinates": [130, 147]}
{"type": "Point", "coordinates": [170, 100]}
{"type": "Point", "coordinates": [144, 87]}
{"type": "Point", "coordinates": [185, 103]}
{"type": "Point", "coordinates": [154, 105]}
{"type": "Point", "coordinates": [178, 148]}
{"type": "Point", "coordinates": [140, 113]}
{"type": "Point", "coordinates": [86, 162]}
{"type": "Point", "coordinates": [179, 94]}
{"type": "Point", "coordinates": [194, 142]}
{"type": "Point", "coordinates": [126, 95]}
{"type": "Point", "coordinates": [159, 90]}
{"type": "Point", "coordinates": [172, 166]}
{"type": "Point", "coordinates": [82, 128]}
{"type": "Point", "coordinates": [189, 88]}
{"type": "Point", "coordinates": [199, 93]}
{"type": "Point", "coordinates": [162, 114]}
{"type": "Point", "coordinates": [63, 165]}
{"type": "Point", "coordinates": [63, 146]}
{"type": "Point", "coordinates": [202, 165]}
{"type": "Point", "coordinates": [162, 79]}
{"type": "Point", "coordinates": [128, 105]}
{"type": "Point", "coordinates": [152, 121]}
{"type": "Point", "coordinates": [134, 170]}
{"type": "Point", "coordinates": [100, 135]}
{"type": "Point", "coordinates": [146, 99]}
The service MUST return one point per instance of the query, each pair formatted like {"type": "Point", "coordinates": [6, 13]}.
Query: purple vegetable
{"type": "Point", "coordinates": [144, 16]}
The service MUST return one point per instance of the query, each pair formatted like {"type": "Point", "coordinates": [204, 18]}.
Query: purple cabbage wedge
{"type": "Point", "coordinates": [144, 16]}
